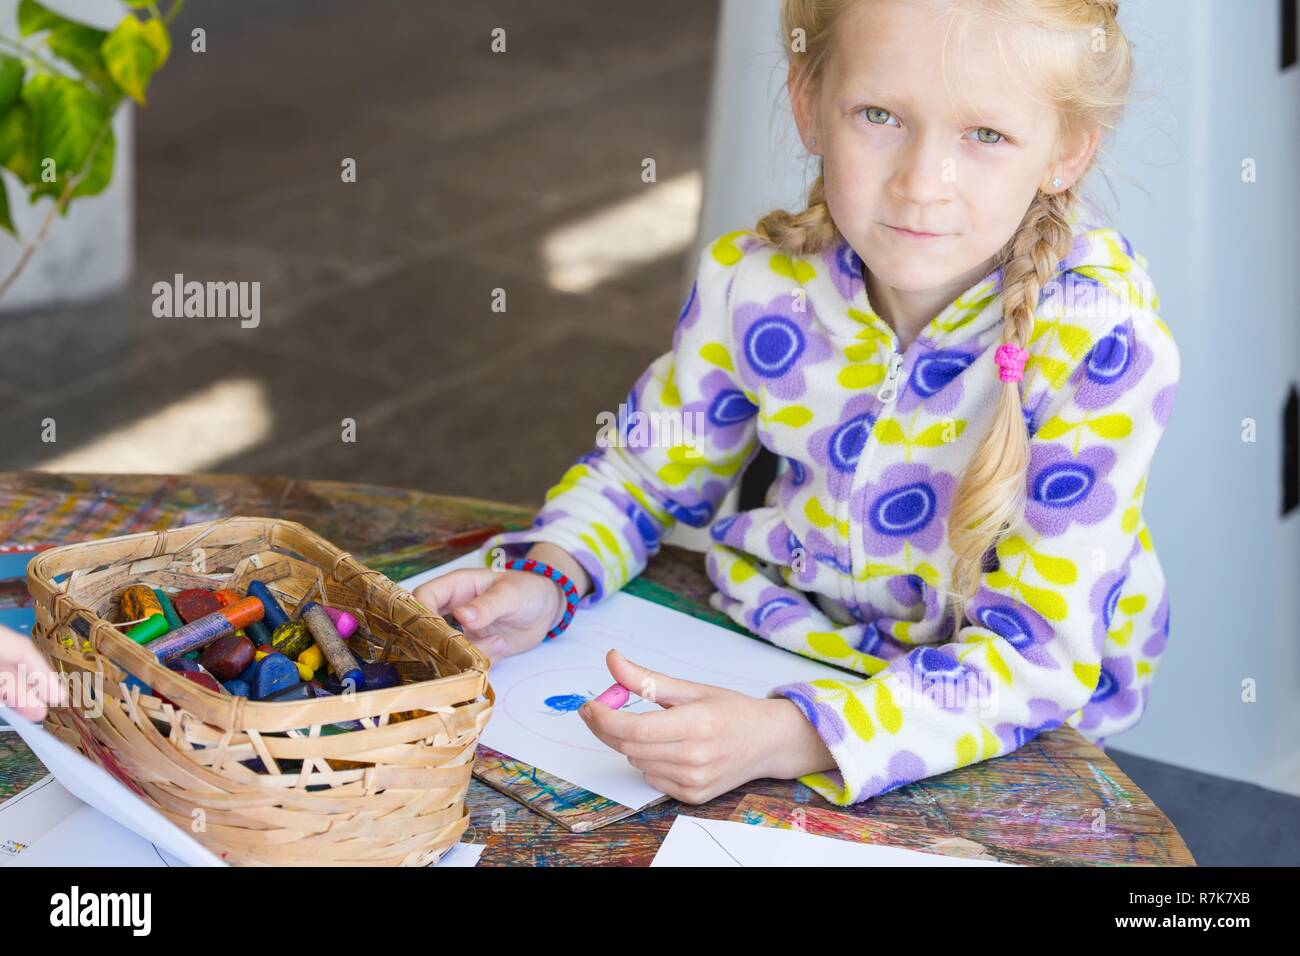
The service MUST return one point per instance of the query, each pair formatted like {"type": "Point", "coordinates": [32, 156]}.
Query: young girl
{"type": "Point", "coordinates": [965, 377]}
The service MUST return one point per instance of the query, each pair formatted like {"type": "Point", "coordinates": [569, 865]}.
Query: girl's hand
{"type": "Point", "coordinates": [27, 683]}
{"type": "Point", "coordinates": [709, 740]}
{"type": "Point", "coordinates": [502, 612]}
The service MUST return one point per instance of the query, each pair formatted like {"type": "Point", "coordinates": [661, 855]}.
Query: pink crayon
{"type": "Point", "coordinates": [615, 697]}
{"type": "Point", "coordinates": [344, 622]}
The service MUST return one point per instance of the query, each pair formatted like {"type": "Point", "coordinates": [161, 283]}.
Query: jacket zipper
{"type": "Point", "coordinates": [886, 394]}
{"type": "Point", "coordinates": [889, 388]}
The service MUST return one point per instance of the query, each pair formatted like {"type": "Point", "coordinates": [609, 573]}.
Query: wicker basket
{"type": "Point", "coordinates": [400, 799]}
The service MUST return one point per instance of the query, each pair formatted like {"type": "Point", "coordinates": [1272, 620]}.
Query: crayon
{"type": "Point", "coordinates": [194, 603]}
{"type": "Point", "coordinates": [138, 602]}
{"type": "Point", "coordinates": [344, 622]}
{"type": "Point", "coordinates": [614, 697]}
{"type": "Point", "coordinates": [207, 629]}
{"type": "Point", "coordinates": [169, 611]}
{"type": "Point", "coordinates": [155, 625]}
{"type": "Point", "coordinates": [340, 658]}
{"type": "Point", "coordinates": [275, 615]}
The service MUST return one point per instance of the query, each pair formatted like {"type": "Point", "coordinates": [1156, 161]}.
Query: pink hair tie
{"type": "Point", "coordinates": [1011, 361]}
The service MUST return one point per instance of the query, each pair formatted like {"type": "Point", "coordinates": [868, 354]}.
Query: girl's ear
{"type": "Point", "coordinates": [799, 101]}
{"type": "Point", "coordinates": [1074, 163]}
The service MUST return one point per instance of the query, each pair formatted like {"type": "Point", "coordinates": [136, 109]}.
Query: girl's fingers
{"type": "Point", "coordinates": [493, 646]}
{"type": "Point", "coordinates": [488, 606]}
{"type": "Point", "coordinates": [665, 770]}
{"type": "Point", "coordinates": [663, 690]}
{"type": "Point", "coordinates": [616, 727]}
{"type": "Point", "coordinates": [665, 785]}
{"type": "Point", "coordinates": [455, 588]}
{"type": "Point", "coordinates": [34, 683]}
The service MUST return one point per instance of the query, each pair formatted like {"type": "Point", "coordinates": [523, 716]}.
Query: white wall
{"type": "Point", "coordinates": [1225, 258]}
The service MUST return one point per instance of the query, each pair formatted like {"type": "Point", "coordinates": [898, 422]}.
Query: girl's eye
{"type": "Point", "coordinates": [877, 115]}
{"type": "Point", "coordinates": [991, 142]}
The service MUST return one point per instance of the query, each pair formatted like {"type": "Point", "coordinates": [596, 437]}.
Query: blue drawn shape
{"type": "Point", "coordinates": [566, 703]}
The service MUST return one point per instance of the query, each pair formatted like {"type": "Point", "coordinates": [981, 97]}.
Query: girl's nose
{"type": "Point", "coordinates": [924, 173]}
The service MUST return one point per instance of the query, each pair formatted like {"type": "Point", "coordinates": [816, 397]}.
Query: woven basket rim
{"type": "Point", "coordinates": [106, 638]}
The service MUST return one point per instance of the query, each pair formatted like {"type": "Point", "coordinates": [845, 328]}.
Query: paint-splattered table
{"type": "Point", "coordinates": [1056, 800]}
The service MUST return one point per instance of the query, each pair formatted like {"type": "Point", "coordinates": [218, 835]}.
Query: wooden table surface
{"type": "Point", "coordinates": [1056, 800]}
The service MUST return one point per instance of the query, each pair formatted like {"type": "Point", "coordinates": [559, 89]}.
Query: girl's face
{"type": "Point", "coordinates": [903, 150]}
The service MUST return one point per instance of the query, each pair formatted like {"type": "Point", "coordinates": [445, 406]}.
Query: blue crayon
{"type": "Point", "coordinates": [274, 615]}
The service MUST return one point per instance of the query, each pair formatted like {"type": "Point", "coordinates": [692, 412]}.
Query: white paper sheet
{"type": "Point", "coordinates": [30, 814]}
{"type": "Point", "coordinates": [694, 841]}
{"type": "Point", "coordinates": [531, 725]}
{"type": "Point", "coordinates": [97, 787]}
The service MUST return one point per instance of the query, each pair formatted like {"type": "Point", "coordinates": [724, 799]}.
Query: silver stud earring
{"type": "Point", "coordinates": [1056, 182]}
{"type": "Point", "coordinates": [814, 140]}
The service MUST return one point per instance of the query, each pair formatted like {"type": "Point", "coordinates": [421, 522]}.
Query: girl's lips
{"type": "Point", "coordinates": [908, 234]}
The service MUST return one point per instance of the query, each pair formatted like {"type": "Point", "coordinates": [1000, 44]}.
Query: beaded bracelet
{"type": "Point", "coordinates": [571, 595]}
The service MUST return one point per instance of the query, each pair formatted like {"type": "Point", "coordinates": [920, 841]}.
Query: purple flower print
{"type": "Point", "coordinates": [904, 767]}
{"type": "Point", "coordinates": [1112, 366]}
{"type": "Point", "coordinates": [823, 718]}
{"type": "Point", "coordinates": [1155, 644]}
{"type": "Point", "coordinates": [777, 608]}
{"type": "Point", "coordinates": [1019, 625]}
{"type": "Point", "coordinates": [724, 409]}
{"type": "Point", "coordinates": [837, 448]}
{"type": "Point", "coordinates": [1103, 601]}
{"type": "Point", "coordinates": [691, 309]}
{"type": "Point", "coordinates": [844, 268]}
{"type": "Point", "coordinates": [648, 531]}
{"type": "Point", "coordinates": [696, 508]}
{"type": "Point", "coordinates": [781, 542]}
{"type": "Point", "coordinates": [906, 505]}
{"type": "Point", "coordinates": [1044, 715]}
{"type": "Point", "coordinates": [798, 473]}
{"type": "Point", "coordinates": [1115, 696]}
{"type": "Point", "coordinates": [776, 346]}
{"type": "Point", "coordinates": [934, 673]}
{"type": "Point", "coordinates": [1079, 249]}
{"type": "Point", "coordinates": [732, 529]}
{"type": "Point", "coordinates": [910, 590]}
{"type": "Point", "coordinates": [906, 589]}
{"type": "Point", "coordinates": [1065, 489]}
{"type": "Point", "coordinates": [934, 382]}
{"type": "Point", "coordinates": [1163, 404]}
{"type": "Point", "coordinates": [819, 549]}
{"type": "Point", "coordinates": [872, 639]}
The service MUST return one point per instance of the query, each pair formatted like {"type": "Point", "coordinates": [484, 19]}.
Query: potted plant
{"type": "Point", "coordinates": [62, 83]}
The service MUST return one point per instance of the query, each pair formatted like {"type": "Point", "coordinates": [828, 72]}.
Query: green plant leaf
{"type": "Point", "coordinates": [130, 57]}
{"type": "Point", "coordinates": [66, 117]}
{"type": "Point", "coordinates": [155, 35]}
{"type": "Point", "coordinates": [6, 221]}
{"type": "Point", "coordinates": [79, 45]}
{"type": "Point", "coordinates": [17, 149]}
{"type": "Point", "coordinates": [11, 80]}
{"type": "Point", "coordinates": [33, 18]}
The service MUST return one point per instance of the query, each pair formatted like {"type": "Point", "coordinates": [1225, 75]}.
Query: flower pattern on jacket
{"type": "Point", "coordinates": [848, 561]}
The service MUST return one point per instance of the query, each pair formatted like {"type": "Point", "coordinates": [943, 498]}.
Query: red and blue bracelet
{"type": "Point", "coordinates": [571, 596]}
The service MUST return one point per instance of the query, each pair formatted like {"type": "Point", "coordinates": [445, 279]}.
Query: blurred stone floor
{"type": "Point", "coordinates": [376, 295]}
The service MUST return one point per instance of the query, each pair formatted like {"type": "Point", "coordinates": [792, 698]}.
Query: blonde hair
{"type": "Point", "coordinates": [1076, 49]}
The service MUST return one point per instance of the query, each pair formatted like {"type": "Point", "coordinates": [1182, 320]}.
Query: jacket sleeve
{"type": "Point", "coordinates": [671, 452]}
{"type": "Point", "coordinates": [1029, 655]}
